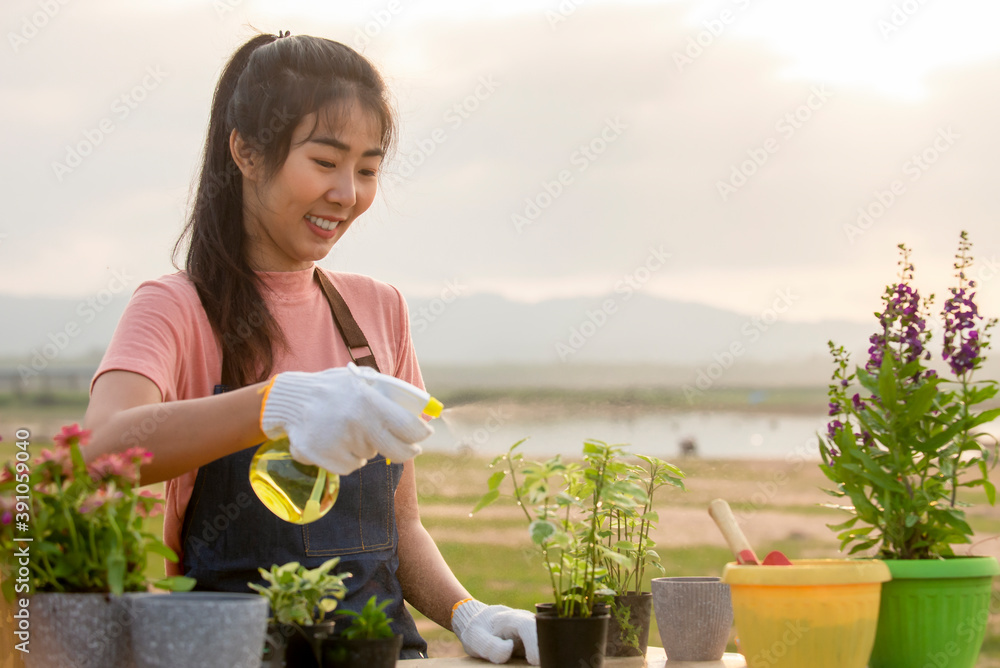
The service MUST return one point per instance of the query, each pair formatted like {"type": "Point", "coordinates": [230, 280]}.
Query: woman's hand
{"type": "Point", "coordinates": [335, 420]}
{"type": "Point", "coordinates": [495, 632]}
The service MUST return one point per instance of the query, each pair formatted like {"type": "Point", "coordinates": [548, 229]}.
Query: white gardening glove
{"type": "Point", "coordinates": [495, 632]}
{"type": "Point", "coordinates": [337, 421]}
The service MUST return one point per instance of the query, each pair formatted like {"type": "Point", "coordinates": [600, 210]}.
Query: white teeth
{"type": "Point", "coordinates": [327, 225]}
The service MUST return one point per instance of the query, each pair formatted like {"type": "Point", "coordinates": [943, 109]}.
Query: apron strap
{"type": "Point", "coordinates": [348, 327]}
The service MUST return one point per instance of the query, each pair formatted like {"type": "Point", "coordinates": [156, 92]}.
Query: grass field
{"type": "Point", "coordinates": [492, 555]}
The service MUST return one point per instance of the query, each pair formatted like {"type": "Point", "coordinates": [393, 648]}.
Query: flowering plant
{"type": "Point", "coordinates": [81, 526]}
{"type": "Point", "coordinates": [900, 445]}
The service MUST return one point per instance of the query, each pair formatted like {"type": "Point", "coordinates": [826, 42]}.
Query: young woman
{"type": "Point", "coordinates": [250, 340]}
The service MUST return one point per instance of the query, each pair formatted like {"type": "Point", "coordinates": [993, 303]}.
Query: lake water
{"type": "Point", "coordinates": [717, 435]}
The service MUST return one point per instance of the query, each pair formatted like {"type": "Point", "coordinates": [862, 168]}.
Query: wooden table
{"type": "Point", "coordinates": [655, 658]}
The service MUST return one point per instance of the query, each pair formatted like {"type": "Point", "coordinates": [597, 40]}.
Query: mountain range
{"type": "Point", "coordinates": [486, 330]}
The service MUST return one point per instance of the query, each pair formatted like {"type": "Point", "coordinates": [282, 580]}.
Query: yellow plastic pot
{"type": "Point", "coordinates": [816, 613]}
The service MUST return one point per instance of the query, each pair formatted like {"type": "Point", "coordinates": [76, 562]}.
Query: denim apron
{"type": "Point", "coordinates": [228, 533]}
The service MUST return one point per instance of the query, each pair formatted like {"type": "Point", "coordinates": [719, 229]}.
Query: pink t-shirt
{"type": "Point", "coordinates": [165, 335]}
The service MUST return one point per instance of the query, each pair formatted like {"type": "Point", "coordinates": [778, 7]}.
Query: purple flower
{"type": "Point", "coordinates": [7, 518]}
{"type": "Point", "coordinates": [831, 429]}
{"type": "Point", "coordinates": [858, 404]}
{"type": "Point", "coordinates": [834, 408]}
{"type": "Point", "coordinates": [961, 338]}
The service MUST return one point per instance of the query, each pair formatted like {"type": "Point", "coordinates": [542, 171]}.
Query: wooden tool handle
{"type": "Point", "coordinates": [738, 543]}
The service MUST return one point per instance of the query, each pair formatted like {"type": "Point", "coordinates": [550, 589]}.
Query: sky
{"type": "Point", "coordinates": [726, 153]}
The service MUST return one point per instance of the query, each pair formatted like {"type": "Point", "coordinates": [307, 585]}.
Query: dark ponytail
{"type": "Point", "coordinates": [268, 86]}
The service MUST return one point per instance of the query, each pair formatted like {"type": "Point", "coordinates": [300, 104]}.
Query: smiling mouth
{"type": "Point", "coordinates": [323, 223]}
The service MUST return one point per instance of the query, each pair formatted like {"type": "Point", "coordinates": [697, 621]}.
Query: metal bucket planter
{"type": "Point", "coordinates": [79, 631]}
{"type": "Point", "coordinates": [198, 630]}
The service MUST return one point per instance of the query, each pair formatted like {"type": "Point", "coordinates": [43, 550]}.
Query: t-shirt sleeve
{"type": "Point", "coordinates": [150, 336]}
{"type": "Point", "coordinates": [407, 367]}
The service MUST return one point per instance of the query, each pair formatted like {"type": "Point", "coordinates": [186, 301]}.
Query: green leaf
{"type": "Point", "coordinates": [116, 572]}
{"type": "Point", "coordinates": [984, 417]}
{"type": "Point", "coordinates": [541, 530]}
{"type": "Point", "coordinates": [920, 402]}
{"type": "Point", "coordinates": [487, 499]}
{"type": "Point", "coordinates": [991, 492]}
{"type": "Point", "coordinates": [496, 479]}
{"type": "Point", "coordinates": [159, 548]}
{"type": "Point", "coordinates": [183, 583]}
{"type": "Point", "coordinates": [887, 382]}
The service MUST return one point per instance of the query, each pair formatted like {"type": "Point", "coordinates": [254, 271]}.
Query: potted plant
{"type": "Point", "coordinates": [300, 600]}
{"type": "Point", "coordinates": [899, 448]}
{"type": "Point", "coordinates": [74, 543]}
{"type": "Point", "coordinates": [625, 531]}
{"type": "Point", "coordinates": [565, 505]}
{"type": "Point", "coordinates": [368, 640]}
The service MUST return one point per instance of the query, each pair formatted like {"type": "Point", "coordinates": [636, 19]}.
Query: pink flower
{"type": "Point", "coordinates": [98, 499]}
{"type": "Point", "coordinates": [70, 435]}
{"type": "Point", "coordinates": [113, 465]}
{"type": "Point", "coordinates": [140, 456]}
{"type": "Point", "coordinates": [60, 456]}
{"type": "Point", "coordinates": [150, 504]}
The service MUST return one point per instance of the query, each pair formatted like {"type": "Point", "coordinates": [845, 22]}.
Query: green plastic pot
{"type": "Point", "coordinates": [934, 612]}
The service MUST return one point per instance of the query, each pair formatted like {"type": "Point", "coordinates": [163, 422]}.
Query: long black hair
{"type": "Point", "coordinates": [268, 86]}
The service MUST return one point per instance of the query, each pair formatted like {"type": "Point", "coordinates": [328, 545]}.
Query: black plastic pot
{"type": "Point", "coordinates": [639, 608]}
{"type": "Point", "coordinates": [380, 653]}
{"type": "Point", "coordinates": [571, 641]}
{"type": "Point", "coordinates": [293, 646]}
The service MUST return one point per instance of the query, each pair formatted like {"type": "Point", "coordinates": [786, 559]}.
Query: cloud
{"type": "Point", "coordinates": [475, 155]}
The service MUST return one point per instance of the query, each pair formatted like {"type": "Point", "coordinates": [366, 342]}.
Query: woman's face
{"type": "Point", "coordinates": [329, 179]}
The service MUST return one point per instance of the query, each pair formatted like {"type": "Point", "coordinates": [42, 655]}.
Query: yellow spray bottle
{"type": "Point", "coordinates": [300, 493]}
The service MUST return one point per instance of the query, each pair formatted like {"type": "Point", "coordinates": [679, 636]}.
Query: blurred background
{"type": "Point", "coordinates": [658, 212]}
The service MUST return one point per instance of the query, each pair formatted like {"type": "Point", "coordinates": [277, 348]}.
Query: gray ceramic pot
{"type": "Point", "coordinates": [694, 616]}
{"type": "Point", "coordinates": [79, 631]}
{"type": "Point", "coordinates": [199, 630]}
